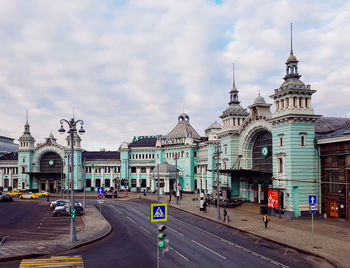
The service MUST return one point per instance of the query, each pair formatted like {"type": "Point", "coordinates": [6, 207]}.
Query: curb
{"type": "Point", "coordinates": [329, 260]}
{"type": "Point", "coordinates": [35, 255]}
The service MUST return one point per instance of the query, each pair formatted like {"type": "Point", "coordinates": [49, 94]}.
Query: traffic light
{"type": "Point", "coordinates": [163, 243]}
{"type": "Point", "coordinates": [73, 213]}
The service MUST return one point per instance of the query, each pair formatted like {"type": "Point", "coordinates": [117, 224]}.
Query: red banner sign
{"type": "Point", "coordinates": [273, 199]}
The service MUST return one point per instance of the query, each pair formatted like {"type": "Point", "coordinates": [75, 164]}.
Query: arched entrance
{"type": "Point", "coordinates": [256, 155]}
{"type": "Point", "coordinates": [51, 172]}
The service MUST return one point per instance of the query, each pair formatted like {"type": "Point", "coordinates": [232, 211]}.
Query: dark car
{"type": "Point", "coordinates": [65, 209]}
{"type": "Point", "coordinates": [111, 194]}
{"type": "Point", "coordinates": [6, 198]}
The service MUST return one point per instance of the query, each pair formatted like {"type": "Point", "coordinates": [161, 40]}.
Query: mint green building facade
{"type": "Point", "coordinates": [260, 150]}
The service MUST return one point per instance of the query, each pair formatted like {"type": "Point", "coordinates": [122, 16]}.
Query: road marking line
{"type": "Point", "coordinates": [117, 210]}
{"type": "Point", "coordinates": [231, 243]}
{"type": "Point", "coordinates": [285, 252]}
{"type": "Point", "coordinates": [179, 253]}
{"type": "Point", "coordinates": [175, 231]}
{"type": "Point", "coordinates": [257, 241]}
{"type": "Point", "coordinates": [209, 249]}
{"type": "Point", "coordinates": [131, 219]}
{"type": "Point", "coordinates": [145, 229]}
{"type": "Point", "coordinates": [235, 232]}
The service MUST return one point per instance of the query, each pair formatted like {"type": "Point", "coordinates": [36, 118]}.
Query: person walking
{"type": "Point", "coordinates": [169, 198]}
{"type": "Point", "coordinates": [225, 214]}
{"type": "Point", "coordinates": [205, 207]}
{"type": "Point", "coordinates": [266, 220]}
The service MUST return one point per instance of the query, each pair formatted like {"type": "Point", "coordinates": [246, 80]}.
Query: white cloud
{"type": "Point", "coordinates": [130, 67]}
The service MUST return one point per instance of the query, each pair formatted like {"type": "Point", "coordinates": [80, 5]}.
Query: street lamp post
{"type": "Point", "coordinates": [177, 183]}
{"type": "Point", "coordinates": [217, 156]}
{"type": "Point", "coordinates": [72, 124]}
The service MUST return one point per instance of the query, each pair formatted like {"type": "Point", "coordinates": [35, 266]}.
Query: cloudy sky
{"type": "Point", "coordinates": [129, 68]}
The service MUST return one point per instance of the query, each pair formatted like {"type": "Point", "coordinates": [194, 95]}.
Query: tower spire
{"type": "Point", "coordinates": [233, 75]}
{"type": "Point", "coordinates": [291, 38]}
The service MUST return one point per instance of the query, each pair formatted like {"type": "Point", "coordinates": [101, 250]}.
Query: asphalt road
{"type": "Point", "coordinates": [194, 242]}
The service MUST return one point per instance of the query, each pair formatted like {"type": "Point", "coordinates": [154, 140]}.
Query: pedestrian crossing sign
{"type": "Point", "coordinates": [159, 212]}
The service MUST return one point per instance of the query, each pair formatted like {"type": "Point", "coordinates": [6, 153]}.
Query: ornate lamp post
{"type": "Point", "coordinates": [217, 157]}
{"type": "Point", "coordinates": [72, 124]}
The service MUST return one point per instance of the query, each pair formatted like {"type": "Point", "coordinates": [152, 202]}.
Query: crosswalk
{"type": "Point", "coordinates": [54, 261]}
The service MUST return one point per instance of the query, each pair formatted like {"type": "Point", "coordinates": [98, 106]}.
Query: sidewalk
{"type": "Point", "coordinates": [331, 237]}
{"type": "Point", "coordinates": [95, 227]}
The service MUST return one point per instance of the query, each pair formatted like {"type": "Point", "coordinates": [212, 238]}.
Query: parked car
{"type": "Point", "coordinates": [14, 193]}
{"type": "Point", "coordinates": [41, 193]}
{"type": "Point", "coordinates": [29, 195]}
{"type": "Point", "coordinates": [6, 198]}
{"type": "Point", "coordinates": [59, 202]}
{"type": "Point", "coordinates": [65, 209]}
{"type": "Point", "coordinates": [111, 194]}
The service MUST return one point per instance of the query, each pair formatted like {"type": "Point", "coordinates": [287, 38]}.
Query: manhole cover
{"type": "Point", "coordinates": [244, 220]}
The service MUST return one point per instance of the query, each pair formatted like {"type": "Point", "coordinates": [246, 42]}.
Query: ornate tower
{"type": "Point", "coordinates": [232, 120]}
{"type": "Point", "coordinates": [25, 155]}
{"type": "Point", "coordinates": [295, 158]}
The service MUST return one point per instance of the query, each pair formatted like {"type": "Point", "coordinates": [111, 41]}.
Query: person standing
{"type": "Point", "coordinates": [266, 220]}
{"type": "Point", "coordinates": [169, 198]}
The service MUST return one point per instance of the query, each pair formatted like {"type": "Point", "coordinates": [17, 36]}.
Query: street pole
{"type": "Point", "coordinates": [72, 130]}
{"type": "Point", "coordinates": [73, 234]}
{"type": "Point", "coordinates": [158, 199]}
{"type": "Point", "coordinates": [84, 201]}
{"type": "Point", "coordinates": [312, 227]}
{"type": "Point", "coordinates": [217, 153]}
{"type": "Point", "coordinates": [176, 182]}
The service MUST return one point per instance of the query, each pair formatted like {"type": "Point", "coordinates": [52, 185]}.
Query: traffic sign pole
{"type": "Point", "coordinates": [312, 226]}
{"type": "Point", "coordinates": [312, 209]}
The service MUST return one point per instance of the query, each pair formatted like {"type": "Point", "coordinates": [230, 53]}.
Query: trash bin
{"type": "Point", "coordinates": [263, 210]}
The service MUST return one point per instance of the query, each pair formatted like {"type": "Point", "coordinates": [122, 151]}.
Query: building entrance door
{"type": "Point", "coordinates": [51, 187]}
{"type": "Point", "coordinates": [333, 209]}
{"type": "Point", "coordinates": [43, 186]}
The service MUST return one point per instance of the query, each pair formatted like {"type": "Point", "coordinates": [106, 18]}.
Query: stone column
{"type": "Point", "coordinates": [138, 176]}
{"type": "Point", "coordinates": [166, 182]}
{"type": "Point", "coordinates": [102, 177]}
{"type": "Point", "coordinates": [10, 177]}
{"type": "Point", "coordinates": [92, 177]}
{"type": "Point", "coordinates": [152, 184]}
{"type": "Point", "coordinates": [148, 171]}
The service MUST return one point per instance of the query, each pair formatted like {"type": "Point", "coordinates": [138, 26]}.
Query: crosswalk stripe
{"type": "Point", "coordinates": [58, 261]}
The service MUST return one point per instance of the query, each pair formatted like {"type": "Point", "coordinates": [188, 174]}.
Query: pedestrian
{"type": "Point", "coordinates": [201, 203]}
{"type": "Point", "coordinates": [216, 202]}
{"type": "Point", "coordinates": [180, 195]}
{"type": "Point", "coordinates": [225, 214]}
{"type": "Point", "coordinates": [169, 198]}
{"type": "Point", "coordinates": [207, 201]}
{"type": "Point", "coordinates": [205, 207]}
{"type": "Point", "coordinates": [48, 197]}
{"type": "Point", "coordinates": [266, 220]}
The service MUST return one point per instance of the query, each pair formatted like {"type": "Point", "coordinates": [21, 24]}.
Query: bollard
{"type": "Point", "coordinates": [228, 218]}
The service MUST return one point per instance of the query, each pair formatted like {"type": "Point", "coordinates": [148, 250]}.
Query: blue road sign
{"type": "Point", "coordinates": [100, 190]}
{"type": "Point", "coordinates": [312, 208]}
{"type": "Point", "coordinates": [312, 199]}
{"type": "Point", "coordinates": [159, 212]}
{"type": "Point", "coordinates": [100, 196]}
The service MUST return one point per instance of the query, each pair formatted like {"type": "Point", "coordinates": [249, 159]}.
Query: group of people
{"type": "Point", "coordinates": [177, 195]}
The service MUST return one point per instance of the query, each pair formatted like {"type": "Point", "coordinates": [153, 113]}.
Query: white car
{"type": "Point", "coordinates": [59, 202]}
